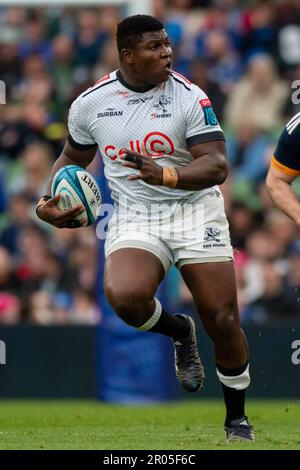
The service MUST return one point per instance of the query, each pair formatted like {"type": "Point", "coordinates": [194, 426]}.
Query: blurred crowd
{"type": "Point", "coordinates": [244, 54]}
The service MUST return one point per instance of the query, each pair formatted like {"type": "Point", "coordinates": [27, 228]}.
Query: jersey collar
{"type": "Point", "coordinates": [132, 88]}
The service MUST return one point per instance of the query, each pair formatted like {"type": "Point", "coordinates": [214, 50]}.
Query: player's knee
{"type": "Point", "coordinates": [223, 324]}
{"type": "Point", "coordinates": [127, 302]}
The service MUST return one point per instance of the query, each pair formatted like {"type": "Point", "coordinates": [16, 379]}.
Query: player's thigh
{"type": "Point", "coordinates": [131, 270]}
{"type": "Point", "coordinates": [213, 287]}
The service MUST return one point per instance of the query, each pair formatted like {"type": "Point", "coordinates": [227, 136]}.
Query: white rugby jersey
{"type": "Point", "coordinates": [167, 119]}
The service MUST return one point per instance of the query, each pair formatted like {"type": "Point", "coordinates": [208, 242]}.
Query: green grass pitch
{"type": "Point", "coordinates": [195, 424]}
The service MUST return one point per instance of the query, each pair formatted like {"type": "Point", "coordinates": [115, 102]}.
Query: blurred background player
{"type": "Point", "coordinates": [284, 169]}
{"type": "Point", "coordinates": [173, 171]}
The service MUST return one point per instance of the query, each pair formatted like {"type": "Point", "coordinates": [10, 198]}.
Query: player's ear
{"type": "Point", "coordinates": [126, 55]}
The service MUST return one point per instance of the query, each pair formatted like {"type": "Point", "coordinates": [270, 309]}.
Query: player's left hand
{"type": "Point", "coordinates": [150, 172]}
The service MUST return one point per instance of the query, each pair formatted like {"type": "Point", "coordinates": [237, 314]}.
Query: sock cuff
{"type": "Point", "coordinates": [229, 372]}
{"type": "Point", "coordinates": [154, 317]}
{"type": "Point", "coordinates": [238, 382]}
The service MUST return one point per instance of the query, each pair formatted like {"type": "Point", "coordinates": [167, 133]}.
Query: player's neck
{"type": "Point", "coordinates": [131, 83]}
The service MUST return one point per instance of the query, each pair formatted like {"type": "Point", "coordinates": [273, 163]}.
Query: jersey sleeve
{"type": "Point", "coordinates": [202, 123]}
{"type": "Point", "coordinates": [286, 157]}
{"type": "Point", "coordinates": [79, 135]}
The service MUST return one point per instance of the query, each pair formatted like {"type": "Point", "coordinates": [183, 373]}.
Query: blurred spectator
{"type": "Point", "coordinates": [19, 217]}
{"type": "Point", "coordinates": [260, 33]}
{"type": "Point", "coordinates": [63, 308]}
{"type": "Point", "coordinates": [40, 308]}
{"type": "Point", "coordinates": [287, 20]}
{"type": "Point", "coordinates": [243, 221]}
{"type": "Point", "coordinates": [89, 41]}
{"type": "Point", "coordinates": [61, 68]}
{"type": "Point", "coordinates": [10, 309]}
{"type": "Point", "coordinates": [292, 279]}
{"type": "Point", "coordinates": [224, 63]}
{"type": "Point", "coordinates": [2, 193]}
{"type": "Point", "coordinates": [199, 74]}
{"type": "Point", "coordinates": [10, 63]}
{"type": "Point", "coordinates": [33, 170]}
{"type": "Point", "coordinates": [249, 152]}
{"type": "Point", "coordinates": [261, 248]}
{"type": "Point", "coordinates": [35, 39]}
{"type": "Point", "coordinates": [259, 98]}
{"type": "Point", "coordinates": [83, 259]}
{"type": "Point", "coordinates": [281, 228]}
{"type": "Point", "coordinates": [273, 306]}
{"type": "Point", "coordinates": [288, 45]}
{"type": "Point", "coordinates": [109, 61]}
{"type": "Point", "coordinates": [85, 309]}
{"type": "Point", "coordinates": [9, 282]}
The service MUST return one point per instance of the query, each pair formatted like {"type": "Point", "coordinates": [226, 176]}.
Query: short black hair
{"type": "Point", "coordinates": [131, 29]}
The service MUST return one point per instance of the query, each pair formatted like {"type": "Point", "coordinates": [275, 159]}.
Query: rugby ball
{"type": "Point", "coordinates": [76, 186]}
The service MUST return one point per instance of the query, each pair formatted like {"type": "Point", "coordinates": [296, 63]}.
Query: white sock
{"type": "Point", "coordinates": [154, 317]}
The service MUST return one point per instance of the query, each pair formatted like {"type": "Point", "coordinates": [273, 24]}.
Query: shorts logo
{"type": "Point", "coordinates": [212, 234]}
{"type": "Point", "coordinates": [209, 115]}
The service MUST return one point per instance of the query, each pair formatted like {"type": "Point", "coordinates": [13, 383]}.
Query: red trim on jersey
{"type": "Point", "coordinates": [106, 77]}
{"type": "Point", "coordinates": [182, 76]}
{"type": "Point", "coordinates": [204, 103]}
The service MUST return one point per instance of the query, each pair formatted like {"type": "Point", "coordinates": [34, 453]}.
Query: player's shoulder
{"type": "Point", "coordinates": [290, 136]}
{"type": "Point", "coordinates": [289, 141]}
{"type": "Point", "coordinates": [100, 87]}
{"type": "Point", "coordinates": [181, 81]}
{"type": "Point", "coordinates": [185, 86]}
{"type": "Point", "coordinates": [292, 128]}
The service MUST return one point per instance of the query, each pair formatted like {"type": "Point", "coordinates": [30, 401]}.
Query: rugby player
{"type": "Point", "coordinates": [284, 169]}
{"type": "Point", "coordinates": [164, 157]}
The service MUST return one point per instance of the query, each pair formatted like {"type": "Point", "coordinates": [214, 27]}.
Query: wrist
{"type": "Point", "coordinates": [42, 201]}
{"type": "Point", "coordinates": [169, 177]}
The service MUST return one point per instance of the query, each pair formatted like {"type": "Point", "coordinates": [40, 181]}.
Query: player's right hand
{"type": "Point", "coordinates": [49, 212]}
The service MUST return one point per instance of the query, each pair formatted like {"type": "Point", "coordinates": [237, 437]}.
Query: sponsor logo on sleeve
{"type": "Point", "coordinates": [209, 115]}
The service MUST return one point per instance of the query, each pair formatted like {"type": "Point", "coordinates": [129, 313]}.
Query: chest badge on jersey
{"type": "Point", "coordinates": [209, 116]}
{"type": "Point", "coordinates": [162, 103]}
{"type": "Point", "coordinates": [162, 107]}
